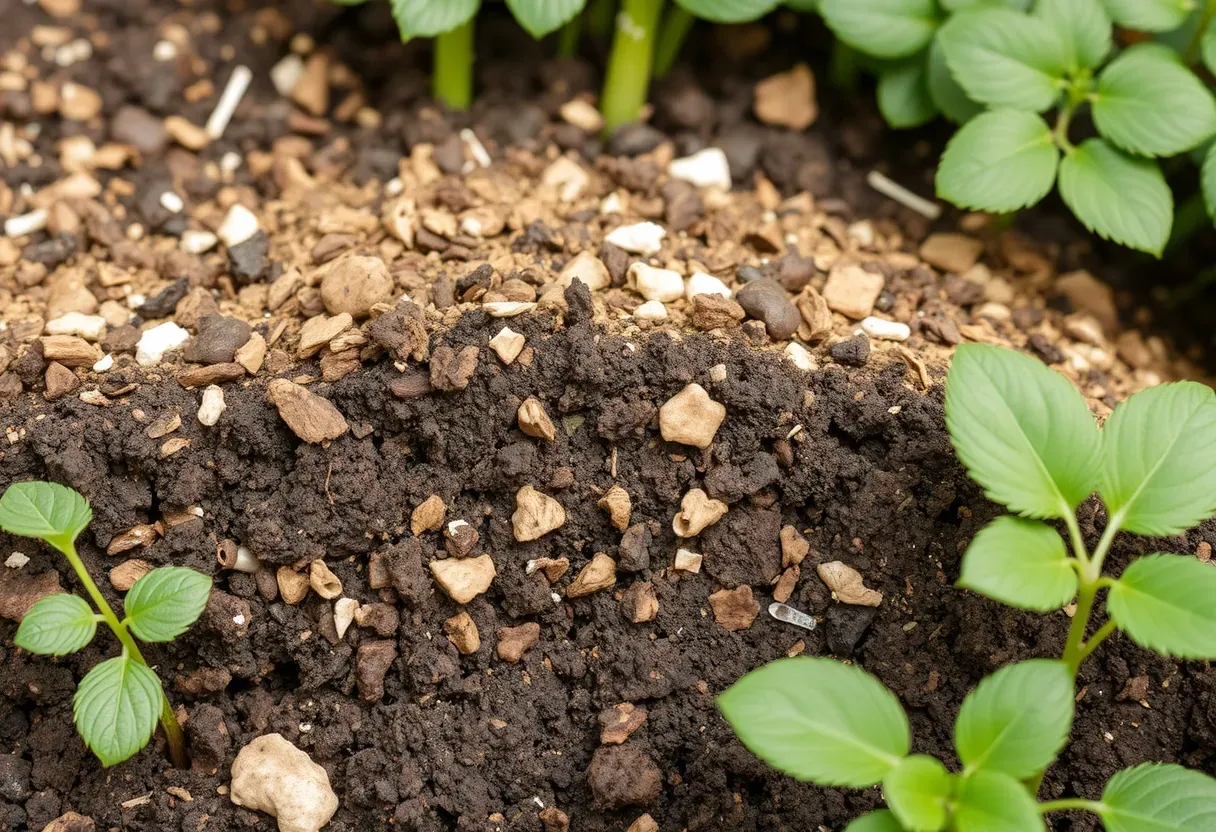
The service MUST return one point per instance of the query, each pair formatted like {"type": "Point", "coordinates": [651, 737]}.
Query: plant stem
{"type": "Point", "coordinates": [168, 720]}
{"type": "Point", "coordinates": [628, 77]}
{"type": "Point", "coordinates": [671, 39]}
{"type": "Point", "coordinates": [567, 39]}
{"type": "Point", "coordinates": [1070, 804]}
{"type": "Point", "coordinates": [1192, 53]}
{"type": "Point", "coordinates": [599, 16]}
{"type": "Point", "coordinates": [452, 81]}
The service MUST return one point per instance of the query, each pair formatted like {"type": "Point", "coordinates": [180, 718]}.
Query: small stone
{"type": "Point", "coordinates": [319, 330]}
{"type": "Point", "coordinates": [249, 260]}
{"type": "Point", "coordinates": [634, 551]}
{"type": "Point", "coordinates": [507, 344]}
{"type": "Point", "coordinates": [372, 661]}
{"type": "Point", "coordinates": [582, 115]}
{"type": "Point", "coordinates": [623, 775]}
{"type": "Point", "coordinates": [508, 309]}
{"type": "Point", "coordinates": [536, 514]}
{"type": "Point", "coordinates": [70, 821]}
{"type": "Point", "coordinates": [323, 581]}
{"type": "Point", "coordinates": [1088, 294]}
{"type": "Point", "coordinates": [618, 505]}
{"type": "Point", "coordinates": [451, 370]}
{"type": "Point", "coordinates": [587, 268]}
{"type": "Point", "coordinates": [884, 330]}
{"type": "Point", "coordinates": [534, 421]}
{"type": "Point", "coordinates": [954, 253]}
{"type": "Point", "coordinates": [311, 90]}
{"type": "Point", "coordinates": [160, 339]}
{"type": "Point", "coordinates": [69, 350]}
{"type": "Point", "coordinates": [310, 417]}
{"type": "Point", "coordinates": [706, 168]}
{"type": "Point", "coordinates": [218, 339]}
{"type": "Point", "coordinates": [567, 177]}
{"type": "Point", "coordinates": [344, 615]}
{"type": "Point", "coordinates": [651, 310]}
{"type": "Point", "coordinates": [60, 381]}
{"type": "Point", "coordinates": [853, 351]}
{"type": "Point", "coordinates": [88, 327]}
{"type": "Point", "coordinates": [293, 585]}
{"type": "Point", "coordinates": [639, 603]}
{"type": "Point", "coordinates": [428, 516]}
{"type": "Point", "coordinates": [787, 99]}
{"type": "Point", "coordinates": [212, 406]}
{"type": "Point", "coordinates": [714, 312]}
{"type": "Point", "coordinates": [765, 300]}
{"type": "Point", "coordinates": [786, 583]}
{"type": "Point", "coordinates": [645, 238]}
{"type": "Point", "coordinates": [551, 568]}
{"type": "Point", "coordinates": [354, 285]}
{"type": "Point", "coordinates": [463, 579]}
{"type": "Point", "coordinates": [239, 225]}
{"type": "Point", "coordinates": [554, 819]}
{"type": "Point", "coordinates": [705, 284]}
{"type": "Point", "coordinates": [513, 642]}
{"type": "Point", "coordinates": [799, 356]}
{"type": "Point", "coordinates": [186, 133]}
{"type": "Point", "coordinates": [691, 417]}
{"type": "Point", "coordinates": [847, 585]}
{"type": "Point", "coordinates": [286, 73]}
{"type": "Point", "coordinates": [78, 102]}
{"type": "Point", "coordinates": [845, 626]}
{"type": "Point", "coordinates": [461, 630]}
{"type": "Point", "coordinates": [645, 823]}
{"type": "Point", "coordinates": [252, 354]}
{"type": "Point", "coordinates": [794, 547]}
{"type": "Point", "coordinates": [663, 285]}
{"type": "Point", "coordinates": [273, 776]}
{"type": "Point", "coordinates": [459, 538]}
{"type": "Point", "coordinates": [697, 513]}
{"type": "Point", "coordinates": [852, 291]}
{"type": "Point", "coordinates": [687, 561]}
{"type": "Point", "coordinates": [599, 574]}
{"type": "Point", "coordinates": [734, 609]}
{"type": "Point", "coordinates": [198, 242]}
{"type": "Point", "coordinates": [619, 722]}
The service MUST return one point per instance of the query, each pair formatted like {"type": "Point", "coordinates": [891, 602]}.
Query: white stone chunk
{"type": "Point", "coordinates": [157, 341]}
{"type": "Point", "coordinates": [644, 238]}
{"type": "Point", "coordinates": [657, 284]}
{"type": "Point", "coordinates": [706, 168]}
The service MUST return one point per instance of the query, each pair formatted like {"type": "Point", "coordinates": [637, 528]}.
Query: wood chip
{"type": "Point", "coordinates": [309, 416]}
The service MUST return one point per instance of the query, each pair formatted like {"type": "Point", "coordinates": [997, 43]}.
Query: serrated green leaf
{"type": "Point", "coordinates": [164, 603]}
{"type": "Point", "coordinates": [918, 791]}
{"type": "Point", "coordinates": [903, 93]}
{"type": "Point", "coordinates": [116, 707]}
{"type": "Point", "coordinates": [1022, 563]}
{"type": "Point", "coordinates": [989, 801]}
{"type": "Point", "coordinates": [1159, 798]}
{"type": "Point", "coordinates": [1119, 197]}
{"type": "Point", "coordinates": [882, 28]}
{"type": "Point", "coordinates": [881, 821]}
{"type": "Point", "coordinates": [44, 510]}
{"type": "Point", "coordinates": [1005, 58]}
{"type": "Point", "coordinates": [819, 720]}
{"type": "Point", "coordinates": [1165, 603]}
{"type": "Point", "coordinates": [1084, 26]}
{"type": "Point", "coordinates": [1016, 721]}
{"type": "Point", "coordinates": [729, 11]}
{"type": "Point", "coordinates": [1000, 161]}
{"type": "Point", "coordinates": [1023, 431]}
{"type": "Point", "coordinates": [1150, 104]}
{"type": "Point", "coordinates": [428, 18]}
{"type": "Point", "coordinates": [56, 625]}
{"type": "Point", "coordinates": [949, 97]}
{"type": "Point", "coordinates": [540, 17]}
{"type": "Point", "coordinates": [960, 5]}
{"type": "Point", "coordinates": [1208, 180]}
{"type": "Point", "coordinates": [1150, 15]}
{"type": "Point", "coordinates": [1159, 477]}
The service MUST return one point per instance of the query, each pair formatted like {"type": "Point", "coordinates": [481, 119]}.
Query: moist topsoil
{"type": "Point", "coordinates": [851, 457]}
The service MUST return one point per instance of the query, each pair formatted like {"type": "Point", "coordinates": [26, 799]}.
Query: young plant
{"type": "Point", "coordinates": [996, 66]}
{"type": "Point", "coordinates": [1026, 436]}
{"type": "Point", "coordinates": [118, 702]}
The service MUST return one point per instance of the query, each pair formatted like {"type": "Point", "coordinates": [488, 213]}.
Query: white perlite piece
{"type": "Point", "coordinates": [238, 226]}
{"type": "Point", "coordinates": [705, 284]}
{"type": "Point", "coordinates": [273, 776]}
{"type": "Point", "coordinates": [644, 238]}
{"type": "Point", "coordinates": [104, 363]}
{"type": "Point", "coordinates": [507, 308]}
{"type": "Point", "coordinates": [508, 344]}
{"type": "Point", "coordinates": [16, 560]}
{"type": "Point", "coordinates": [657, 284]}
{"type": "Point", "coordinates": [212, 407]}
{"type": "Point", "coordinates": [651, 310]}
{"type": "Point", "coordinates": [799, 356]}
{"type": "Point", "coordinates": [234, 91]}
{"type": "Point", "coordinates": [897, 192]}
{"type": "Point", "coordinates": [286, 73]}
{"type": "Point", "coordinates": [344, 614]}
{"type": "Point", "coordinates": [706, 168]}
{"type": "Point", "coordinates": [612, 204]}
{"type": "Point", "coordinates": [157, 341]}
{"type": "Point", "coordinates": [29, 223]}
{"type": "Point", "coordinates": [172, 203]}
{"type": "Point", "coordinates": [198, 242]}
{"type": "Point", "coordinates": [476, 149]}
{"type": "Point", "coordinates": [885, 330]}
{"type": "Point", "coordinates": [88, 327]}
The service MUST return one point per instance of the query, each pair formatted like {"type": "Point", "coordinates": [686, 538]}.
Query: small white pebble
{"type": "Point", "coordinates": [155, 342]}
{"type": "Point", "coordinates": [884, 330]}
{"type": "Point", "coordinates": [476, 149]}
{"type": "Point", "coordinates": [657, 284]}
{"type": "Point", "coordinates": [104, 363]}
{"type": "Point", "coordinates": [88, 327]}
{"type": "Point", "coordinates": [238, 226]}
{"type": "Point", "coordinates": [16, 560]}
{"type": "Point", "coordinates": [717, 373]}
{"type": "Point", "coordinates": [286, 73]}
{"type": "Point", "coordinates": [394, 187]}
{"type": "Point", "coordinates": [238, 620]}
{"type": "Point", "coordinates": [213, 406]}
{"type": "Point", "coordinates": [611, 204]}
{"type": "Point", "coordinates": [799, 356]}
{"type": "Point", "coordinates": [164, 51]}
{"type": "Point", "coordinates": [651, 310]}
{"type": "Point", "coordinates": [135, 300]}
{"type": "Point", "coordinates": [234, 91]}
{"type": "Point", "coordinates": [705, 284]}
{"type": "Point", "coordinates": [640, 238]}
{"type": "Point", "coordinates": [24, 224]}
{"type": "Point", "coordinates": [706, 168]}
{"type": "Point", "coordinates": [198, 242]}
{"type": "Point", "coordinates": [171, 202]}
{"type": "Point", "coordinates": [230, 162]}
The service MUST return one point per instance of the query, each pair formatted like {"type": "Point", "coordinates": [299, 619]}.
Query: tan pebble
{"type": "Point", "coordinates": [534, 421]}
{"type": "Point", "coordinates": [599, 574]}
{"type": "Point", "coordinates": [687, 561]}
{"type": "Point", "coordinates": [794, 547]}
{"type": "Point", "coordinates": [536, 514]}
{"type": "Point", "coordinates": [60, 381]}
{"type": "Point", "coordinates": [618, 723]}
{"type": "Point", "coordinates": [319, 331]}
{"type": "Point", "coordinates": [787, 99]}
{"type": "Point", "coordinates": [691, 417]}
{"type": "Point", "coordinates": [847, 585]}
{"type": "Point", "coordinates": [551, 568]}
{"type": "Point", "coordinates": [311, 91]}
{"type": "Point", "coordinates": [78, 103]}
{"type": "Point", "coordinates": [588, 269]}
{"type": "Point", "coordinates": [293, 585]}
{"type": "Point", "coordinates": [507, 344]}
{"type": "Point", "coordinates": [310, 417]}
{"type": "Point", "coordinates": [734, 609]}
{"type": "Point", "coordinates": [461, 630]}
{"type": "Point", "coordinates": [786, 583]}
{"type": "Point", "coordinates": [273, 776]}
{"type": "Point", "coordinates": [252, 354]}
{"type": "Point", "coordinates": [186, 133]}
{"type": "Point", "coordinates": [513, 642]}
{"type": "Point", "coordinates": [645, 823]}
{"type": "Point", "coordinates": [344, 615]}
{"type": "Point", "coordinates": [618, 505]}
{"type": "Point", "coordinates": [323, 581]}
{"type": "Point", "coordinates": [355, 284]}
{"type": "Point", "coordinates": [582, 115]}
{"type": "Point", "coordinates": [428, 516]}
{"type": "Point", "coordinates": [852, 291]}
{"type": "Point", "coordinates": [172, 446]}
{"type": "Point", "coordinates": [70, 350]}
{"type": "Point", "coordinates": [639, 603]}
{"type": "Point", "coordinates": [463, 579]}
{"type": "Point", "coordinates": [697, 513]}
{"type": "Point", "coordinates": [950, 252]}
{"type": "Point", "coordinates": [124, 576]}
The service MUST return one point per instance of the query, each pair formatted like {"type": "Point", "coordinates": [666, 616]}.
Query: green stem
{"type": "Point", "coordinates": [452, 81]}
{"type": "Point", "coordinates": [567, 39]}
{"type": "Point", "coordinates": [1063, 121]}
{"type": "Point", "coordinates": [672, 35]}
{"type": "Point", "coordinates": [599, 16]}
{"type": "Point", "coordinates": [1193, 49]}
{"type": "Point", "coordinates": [1070, 804]}
{"type": "Point", "coordinates": [1099, 636]}
{"type": "Point", "coordinates": [628, 77]}
{"type": "Point", "coordinates": [168, 720]}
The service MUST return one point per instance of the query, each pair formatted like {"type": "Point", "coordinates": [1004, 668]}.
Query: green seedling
{"type": "Point", "coordinates": [997, 67]}
{"type": "Point", "coordinates": [1025, 435]}
{"type": "Point", "coordinates": [118, 702]}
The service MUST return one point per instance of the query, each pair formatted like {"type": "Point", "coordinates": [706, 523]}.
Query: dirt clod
{"type": "Point", "coordinates": [734, 609]}
{"type": "Point", "coordinates": [372, 661]}
{"type": "Point", "coordinates": [623, 775]}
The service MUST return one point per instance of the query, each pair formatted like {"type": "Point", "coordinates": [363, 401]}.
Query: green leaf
{"type": "Point", "coordinates": [1023, 431]}
{"type": "Point", "coordinates": [1022, 563]}
{"type": "Point", "coordinates": [428, 18]}
{"type": "Point", "coordinates": [819, 720]}
{"type": "Point", "coordinates": [1160, 446]}
{"type": "Point", "coordinates": [1150, 104]}
{"type": "Point", "coordinates": [803, 5]}
{"type": "Point", "coordinates": [1208, 179]}
{"type": "Point", "coordinates": [116, 707]}
{"type": "Point", "coordinates": [880, 821]}
{"type": "Point", "coordinates": [992, 802]}
{"type": "Point", "coordinates": [1005, 58]}
{"type": "Point", "coordinates": [729, 11]}
{"type": "Point", "coordinates": [44, 510]}
{"type": "Point", "coordinates": [959, 5]}
{"type": "Point", "coordinates": [1159, 798]}
{"type": "Point", "coordinates": [1118, 197]}
{"type": "Point", "coordinates": [1016, 721]}
{"type": "Point", "coordinates": [1208, 46]}
{"type": "Point", "coordinates": [540, 17]}
{"type": "Point", "coordinates": [1165, 603]}
{"type": "Point", "coordinates": [164, 603]}
{"type": "Point", "coordinates": [903, 93]}
{"type": "Point", "coordinates": [1150, 15]}
{"type": "Point", "coordinates": [1084, 26]}
{"type": "Point", "coordinates": [882, 28]}
{"type": "Point", "coordinates": [949, 97]}
{"type": "Point", "coordinates": [999, 161]}
{"type": "Point", "coordinates": [56, 625]}
{"type": "Point", "coordinates": [918, 791]}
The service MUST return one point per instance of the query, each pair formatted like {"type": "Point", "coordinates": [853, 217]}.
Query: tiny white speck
{"type": "Point", "coordinates": [239, 620]}
{"type": "Point", "coordinates": [164, 51]}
